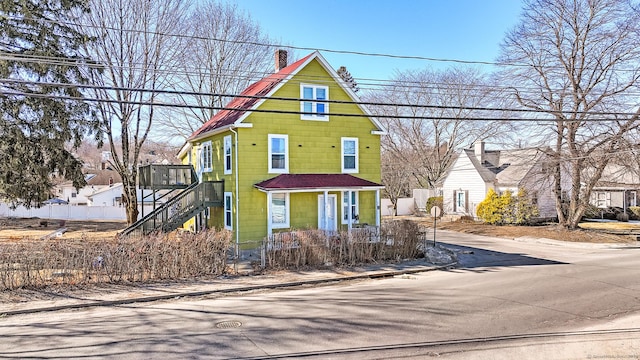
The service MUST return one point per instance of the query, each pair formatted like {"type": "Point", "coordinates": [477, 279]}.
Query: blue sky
{"type": "Point", "coordinates": [446, 29]}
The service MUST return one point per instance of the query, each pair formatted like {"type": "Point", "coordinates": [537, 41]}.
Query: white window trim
{"type": "Point", "coordinates": [344, 216]}
{"type": "Point", "coordinates": [228, 165]}
{"type": "Point", "coordinates": [315, 116]}
{"type": "Point", "coordinates": [287, 207]}
{"type": "Point", "coordinates": [342, 154]}
{"type": "Point", "coordinates": [286, 154]}
{"type": "Point", "coordinates": [228, 200]}
{"type": "Point", "coordinates": [203, 156]}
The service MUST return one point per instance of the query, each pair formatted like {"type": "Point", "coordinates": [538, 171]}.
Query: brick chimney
{"type": "Point", "coordinates": [281, 59]}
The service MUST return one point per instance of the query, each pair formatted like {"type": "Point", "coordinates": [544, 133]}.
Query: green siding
{"type": "Point", "coordinates": [314, 147]}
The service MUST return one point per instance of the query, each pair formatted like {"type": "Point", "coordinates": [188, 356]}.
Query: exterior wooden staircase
{"type": "Point", "coordinates": [193, 198]}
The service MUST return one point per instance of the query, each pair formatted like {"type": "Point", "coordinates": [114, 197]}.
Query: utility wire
{"type": "Point", "coordinates": [365, 103]}
{"type": "Point", "coordinates": [437, 88]}
{"type": "Point", "coordinates": [255, 43]}
{"type": "Point", "coordinates": [207, 107]}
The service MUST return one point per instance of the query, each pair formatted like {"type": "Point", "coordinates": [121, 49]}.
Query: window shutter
{"type": "Point", "coordinates": [466, 201]}
{"type": "Point", "coordinates": [455, 202]}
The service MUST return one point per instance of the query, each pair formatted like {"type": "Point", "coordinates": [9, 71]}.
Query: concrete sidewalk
{"type": "Point", "coordinates": [27, 302]}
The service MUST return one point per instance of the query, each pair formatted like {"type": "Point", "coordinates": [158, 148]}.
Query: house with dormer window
{"type": "Point", "coordinates": [296, 150]}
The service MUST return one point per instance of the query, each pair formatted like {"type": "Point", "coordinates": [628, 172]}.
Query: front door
{"type": "Point", "coordinates": [327, 219]}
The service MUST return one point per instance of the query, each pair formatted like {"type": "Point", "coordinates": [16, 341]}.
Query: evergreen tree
{"type": "Point", "coordinates": [348, 79]}
{"type": "Point", "coordinates": [38, 120]}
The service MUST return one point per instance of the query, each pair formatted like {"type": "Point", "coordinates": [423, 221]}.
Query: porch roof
{"type": "Point", "coordinates": [316, 182]}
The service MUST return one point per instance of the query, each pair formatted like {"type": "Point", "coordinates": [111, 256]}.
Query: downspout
{"type": "Point", "coordinates": [237, 198]}
{"type": "Point", "coordinates": [378, 208]}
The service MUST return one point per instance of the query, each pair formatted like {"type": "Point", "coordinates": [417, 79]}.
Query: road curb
{"type": "Point", "coordinates": [577, 245]}
{"type": "Point", "coordinates": [239, 289]}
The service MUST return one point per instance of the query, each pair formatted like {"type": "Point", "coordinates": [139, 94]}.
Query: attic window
{"type": "Point", "coordinates": [314, 110]}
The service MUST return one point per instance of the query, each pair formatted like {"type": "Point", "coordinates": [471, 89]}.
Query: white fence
{"type": "Point", "coordinates": [406, 206]}
{"type": "Point", "coordinates": [69, 212]}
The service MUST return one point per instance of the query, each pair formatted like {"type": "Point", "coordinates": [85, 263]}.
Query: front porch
{"type": "Point", "coordinates": [310, 201]}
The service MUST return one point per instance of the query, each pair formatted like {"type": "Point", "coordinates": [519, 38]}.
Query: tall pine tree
{"type": "Point", "coordinates": [348, 79]}
{"type": "Point", "coordinates": [40, 122]}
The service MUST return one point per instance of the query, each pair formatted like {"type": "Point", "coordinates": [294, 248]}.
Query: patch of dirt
{"type": "Point", "coordinates": [548, 231]}
{"type": "Point", "coordinates": [35, 228]}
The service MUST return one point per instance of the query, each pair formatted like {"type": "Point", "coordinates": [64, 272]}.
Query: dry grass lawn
{"type": "Point", "coordinates": [31, 229]}
{"type": "Point", "coordinates": [593, 234]}
{"type": "Point", "coordinates": [12, 229]}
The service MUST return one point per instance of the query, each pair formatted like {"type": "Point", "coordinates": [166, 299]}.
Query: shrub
{"type": "Point", "coordinates": [507, 209]}
{"type": "Point", "coordinates": [84, 261]}
{"type": "Point", "coordinates": [314, 248]}
{"type": "Point", "coordinates": [635, 210]}
{"type": "Point", "coordinates": [434, 201]}
{"type": "Point", "coordinates": [490, 209]}
{"type": "Point", "coordinates": [593, 212]}
{"type": "Point", "coordinates": [525, 210]}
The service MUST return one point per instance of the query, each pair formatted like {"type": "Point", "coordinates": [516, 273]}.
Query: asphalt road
{"type": "Point", "coordinates": [508, 300]}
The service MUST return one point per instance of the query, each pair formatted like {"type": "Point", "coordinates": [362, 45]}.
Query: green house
{"type": "Point", "coordinates": [295, 150]}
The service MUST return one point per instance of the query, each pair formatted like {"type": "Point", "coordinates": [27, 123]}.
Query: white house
{"type": "Point", "coordinates": [477, 170]}
{"type": "Point", "coordinates": [107, 196]}
{"type": "Point", "coordinates": [97, 180]}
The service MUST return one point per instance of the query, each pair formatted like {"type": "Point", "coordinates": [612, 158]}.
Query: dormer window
{"type": "Point", "coordinates": [309, 105]}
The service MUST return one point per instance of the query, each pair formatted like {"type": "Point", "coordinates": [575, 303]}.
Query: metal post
{"type": "Point", "coordinates": [434, 231]}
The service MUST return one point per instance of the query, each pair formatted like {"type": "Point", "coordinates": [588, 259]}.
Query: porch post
{"type": "Point", "coordinates": [378, 208]}
{"type": "Point", "coordinates": [269, 225]}
{"type": "Point", "coordinates": [349, 211]}
{"type": "Point", "coordinates": [326, 211]}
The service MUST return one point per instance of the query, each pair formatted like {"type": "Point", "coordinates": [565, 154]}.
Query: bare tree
{"type": "Point", "coordinates": [431, 115]}
{"type": "Point", "coordinates": [90, 153]}
{"type": "Point", "coordinates": [576, 62]}
{"type": "Point", "coordinates": [227, 53]}
{"type": "Point", "coordinates": [394, 177]}
{"type": "Point", "coordinates": [138, 57]}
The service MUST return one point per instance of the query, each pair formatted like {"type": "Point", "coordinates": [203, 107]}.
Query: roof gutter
{"type": "Point", "coordinates": [218, 131]}
{"type": "Point", "coordinates": [320, 189]}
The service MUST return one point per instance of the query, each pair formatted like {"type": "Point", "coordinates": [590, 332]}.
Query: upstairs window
{"type": "Point", "coordinates": [349, 155]}
{"type": "Point", "coordinates": [278, 154]}
{"type": "Point", "coordinates": [206, 161]}
{"type": "Point", "coordinates": [227, 154]}
{"type": "Point", "coordinates": [311, 108]}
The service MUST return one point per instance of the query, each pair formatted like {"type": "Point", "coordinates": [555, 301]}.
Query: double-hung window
{"type": "Point", "coordinates": [228, 215]}
{"type": "Point", "coordinates": [350, 204]}
{"type": "Point", "coordinates": [227, 154]}
{"type": "Point", "coordinates": [279, 210]}
{"type": "Point", "coordinates": [278, 154]}
{"type": "Point", "coordinates": [206, 157]}
{"type": "Point", "coordinates": [311, 106]}
{"type": "Point", "coordinates": [349, 155]}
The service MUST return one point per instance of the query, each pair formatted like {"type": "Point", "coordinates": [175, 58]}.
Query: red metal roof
{"type": "Point", "coordinates": [315, 181]}
{"type": "Point", "coordinates": [260, 88]}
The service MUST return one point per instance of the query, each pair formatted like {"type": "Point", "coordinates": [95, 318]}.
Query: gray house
{"type": "Point", "coordinates": [618, 187]}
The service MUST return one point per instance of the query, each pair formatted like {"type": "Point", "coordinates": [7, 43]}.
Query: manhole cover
{"type": "Point", "coordinates": [228, 324]}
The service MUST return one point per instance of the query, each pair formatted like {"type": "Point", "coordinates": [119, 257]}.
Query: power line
{"type": "Point", "coordinates": [262, 44]}
{"type": "Point", "coordinates": [435, 86]}
{"type": "Point", "coordinates": [273, 111]}
{"type": "Point", "coordinates": [365, 103]}
{"type": "Point", "coordinates": [254, 43]}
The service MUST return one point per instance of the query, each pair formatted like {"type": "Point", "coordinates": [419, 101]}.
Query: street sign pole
{"type": "Point", "coordinates": [435, 212]}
